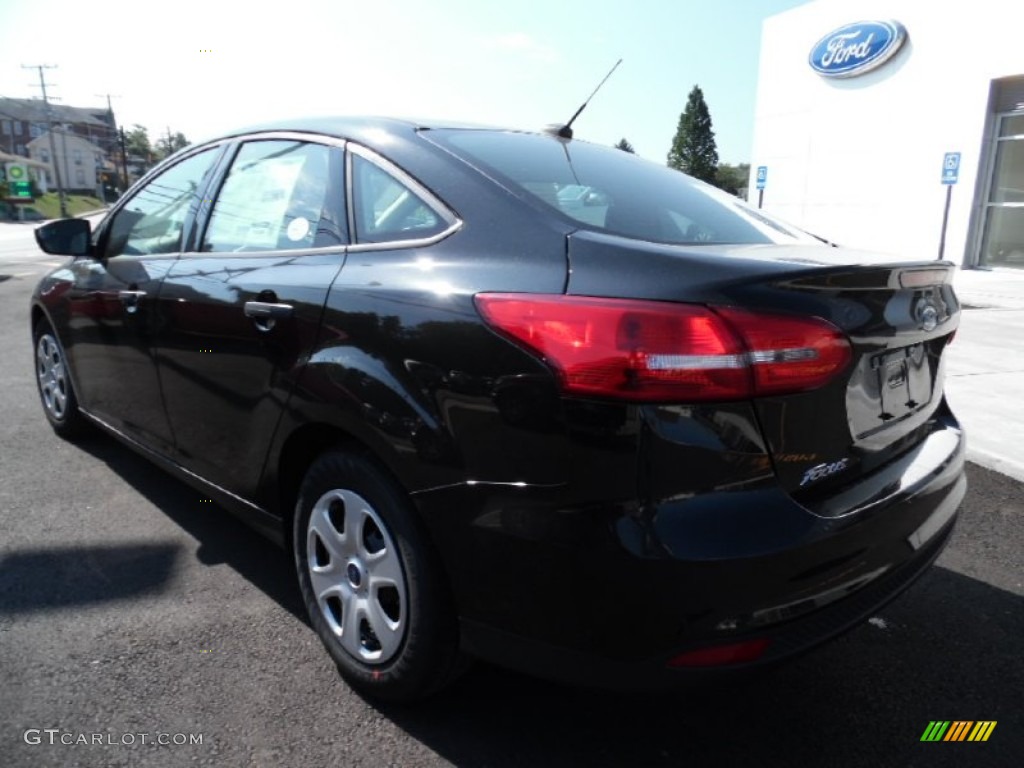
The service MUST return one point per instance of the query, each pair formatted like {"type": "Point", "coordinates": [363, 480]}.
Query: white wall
{"type": "Point", "coordinates": [859, 160]}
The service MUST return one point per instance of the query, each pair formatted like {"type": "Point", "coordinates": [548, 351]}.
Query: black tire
{"type": "Point", "coordinates": [348, 491]}
{"type": "Point", "coordinates": [53, 382]}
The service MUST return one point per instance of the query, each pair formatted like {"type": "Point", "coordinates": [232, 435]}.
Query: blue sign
{"type": "Point", "coordinates": [857, 48]}
{"type": "Point", "coordinates": [762, 176]}
{"type": "Point", "coordinates": [951, 168]}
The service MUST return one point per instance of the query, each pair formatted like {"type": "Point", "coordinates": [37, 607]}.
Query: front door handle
{"type": "Point", "coordinates": [267, 313]}
{"type": "Point", "coordinates": [131, 299]}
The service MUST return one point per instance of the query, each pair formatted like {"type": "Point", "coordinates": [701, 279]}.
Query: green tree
{"type": "Point", "coordinates": [625, 146]}
{"type": "Point", "coordinates": [693, 148]}
{"type": "Point", "coordinates": [137, 145]}
{"type": "Point", "coordinates": [169, 144]}
{"type": "Point", "coordinates": [734, 179]}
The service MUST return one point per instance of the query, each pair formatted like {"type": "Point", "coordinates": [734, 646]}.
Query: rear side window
{"type": "Point", "coordinates": [275, 197]}
{"type": "Point", "coordinates": [387, 209]}
{"type": "Point", "coordinates": [607, 189]}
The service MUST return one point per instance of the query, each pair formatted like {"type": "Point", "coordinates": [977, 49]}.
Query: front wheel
{"type": "Point", "coordinates": [53, 380]}
{"type": "Point", "coordinates": [372, 585]}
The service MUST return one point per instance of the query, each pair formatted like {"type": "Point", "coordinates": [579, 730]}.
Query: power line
{"type": "Point", "coordinates": [48, 109]}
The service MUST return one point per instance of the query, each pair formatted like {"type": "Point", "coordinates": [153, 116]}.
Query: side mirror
{"type": "Point", "coordinates": [65, 237]}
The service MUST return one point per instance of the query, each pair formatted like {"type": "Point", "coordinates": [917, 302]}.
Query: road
{"type": "Point", "coordinates": [131, 609]}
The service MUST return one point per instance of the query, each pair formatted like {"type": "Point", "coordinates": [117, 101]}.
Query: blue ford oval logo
{"type": "Point", "coordinates": [857, 48]}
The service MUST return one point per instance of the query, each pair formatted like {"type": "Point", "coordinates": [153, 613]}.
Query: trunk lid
{"type": "Point", "coordinates": [899, 320]}
{"type": "Point", "coordinates": [898, 317]}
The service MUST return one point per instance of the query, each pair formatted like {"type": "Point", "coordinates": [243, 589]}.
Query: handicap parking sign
{"type": "Point", "coordinates": [951, 168]}
{"type": "Point", "coordinates": [762, 176]}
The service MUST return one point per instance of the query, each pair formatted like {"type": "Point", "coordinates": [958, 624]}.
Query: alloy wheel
{"type": "Point", "coordinates": [52, 373]}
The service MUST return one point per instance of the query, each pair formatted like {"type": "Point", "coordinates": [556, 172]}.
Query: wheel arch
{"type": "Point", "coordinates": [301, 448]}
{"type": "Point", "coordinates": [298, 452]}
{"type": "Point", "coordinates": [39, 313]}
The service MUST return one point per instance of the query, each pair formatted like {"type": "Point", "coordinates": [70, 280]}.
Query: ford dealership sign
{"type": "Point", "coordinates": [857, 48]}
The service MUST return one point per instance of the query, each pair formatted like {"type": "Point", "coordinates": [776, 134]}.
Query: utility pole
{"type": "Point", "coordinates": [118, 139]}
{"type": "Point", "coordinates": [53, 144]}
{"type": "Point", "coordinates": [124, 162]}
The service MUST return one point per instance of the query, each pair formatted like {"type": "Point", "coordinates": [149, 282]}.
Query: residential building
{"type": "Point", "coordinates": [22, 120]}
{"type": "Point", "coordinates": [79, 162]}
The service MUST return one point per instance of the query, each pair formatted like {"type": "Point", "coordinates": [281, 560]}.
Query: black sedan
{"type": "Point", "coordinates": [514, 396]}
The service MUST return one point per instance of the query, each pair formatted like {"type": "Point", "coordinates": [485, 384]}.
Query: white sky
{"type": "Point", "coordinates": [520, 63]}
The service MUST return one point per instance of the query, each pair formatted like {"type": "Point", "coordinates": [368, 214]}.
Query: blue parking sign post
{"type": "Point", "coordinates": [951, 168]}
{"type": "Point", "coordinates": [762, 181]}
{"type": "Point", "coordinates": [950, 176]}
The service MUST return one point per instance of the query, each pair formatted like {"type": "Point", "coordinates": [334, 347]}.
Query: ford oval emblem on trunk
{"type": "Point", "coordinates": [857, 48]}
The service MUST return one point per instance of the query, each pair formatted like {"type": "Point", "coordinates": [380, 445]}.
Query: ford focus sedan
{"type": "Point", "coordinates": [514, 396]}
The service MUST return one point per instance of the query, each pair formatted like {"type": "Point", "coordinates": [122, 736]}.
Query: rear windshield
{"type": "Point", "coordinates": [607, 189]}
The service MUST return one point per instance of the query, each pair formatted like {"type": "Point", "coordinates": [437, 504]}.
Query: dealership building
{"type": "Point", "coordinates": [877, 121]}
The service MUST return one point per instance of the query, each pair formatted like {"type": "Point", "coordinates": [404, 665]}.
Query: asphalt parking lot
{"type": "Point", "coordinates": [131, 607]}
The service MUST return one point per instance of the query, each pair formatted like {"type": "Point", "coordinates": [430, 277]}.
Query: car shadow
{"type": "Point", "coordinates": [60, 577]}
{"type": "Point", "coordinates": [223, 539]}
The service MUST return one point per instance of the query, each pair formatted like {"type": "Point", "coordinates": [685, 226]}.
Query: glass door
{"type": "Point", "coordinates": [1003, 240]}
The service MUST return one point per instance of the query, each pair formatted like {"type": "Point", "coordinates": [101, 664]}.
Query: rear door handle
{"type": "Point", "coordinates": [131, 299]}
{"type": "Point", "coordinates": [265, 314]}
{"type": "Point", "coordinates": [259, 310]}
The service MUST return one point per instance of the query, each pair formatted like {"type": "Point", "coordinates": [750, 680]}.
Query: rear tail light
{"type": "Point", "coordinates": [656, 351]}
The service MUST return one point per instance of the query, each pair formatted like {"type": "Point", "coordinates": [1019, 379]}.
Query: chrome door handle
{"type": "Point", "coordinates": [265, 309]}
{"type": "Point", "coordinates": [265, 314]}
{"type": "Point", "coordinates": [130, 299]}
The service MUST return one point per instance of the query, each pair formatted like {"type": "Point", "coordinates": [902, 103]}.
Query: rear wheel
{"type": "Point", "coordinates": [372, 586]}
{"type": "Point", "coordinates": [53, 380]}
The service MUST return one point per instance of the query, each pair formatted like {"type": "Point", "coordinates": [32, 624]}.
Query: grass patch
{"type": "Point", "coordinates": [49, 205]}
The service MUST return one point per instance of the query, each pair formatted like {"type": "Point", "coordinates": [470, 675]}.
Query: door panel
{"type": "Point", "coordinates": [275, 241]}
{"type": "Point", "coordinates": [111, 324]}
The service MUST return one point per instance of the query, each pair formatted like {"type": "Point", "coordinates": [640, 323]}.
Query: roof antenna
{"type": "Point", "coordinates": [565, 131]}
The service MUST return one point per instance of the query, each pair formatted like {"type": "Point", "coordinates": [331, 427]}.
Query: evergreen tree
{"type": "Point", "coordinates": [733, 178]}
{"type": "Point", "coordinates": [693, 148]}
{"type": "Point", "coordinates": [625, 146]}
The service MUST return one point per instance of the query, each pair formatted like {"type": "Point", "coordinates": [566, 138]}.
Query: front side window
{"type": "Point", "coordinates": [153, 220]}
{"type": "Point", "coordinates": [388, 210]}
{"type": "Point", "coordinates": [276, 198]}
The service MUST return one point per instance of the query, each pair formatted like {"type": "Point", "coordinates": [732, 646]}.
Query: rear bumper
{"type": "Point", "coordinates": [610, 592]}
{"type": "Point", "coordinates": [784, 641]}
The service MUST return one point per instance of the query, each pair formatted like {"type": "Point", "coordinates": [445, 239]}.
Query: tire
{"type": "Point", "coordinates": [378, 599]}
{"type": "Point", "coordinates": [53, 381]}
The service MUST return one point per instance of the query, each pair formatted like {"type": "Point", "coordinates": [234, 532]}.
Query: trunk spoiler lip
{"type": "Point", "coordinates": [890, 277]}
{"type": "Point", "coordinates": [814, 257]}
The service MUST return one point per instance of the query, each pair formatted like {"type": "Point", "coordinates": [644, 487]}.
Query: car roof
{"type": "Point", "coordinates": [352, 127]}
